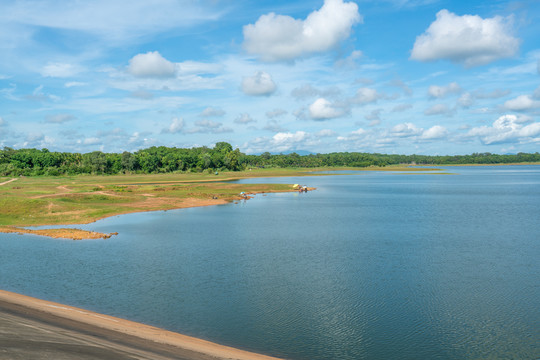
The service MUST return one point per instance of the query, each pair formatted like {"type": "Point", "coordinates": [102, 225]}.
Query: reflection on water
{"type": "Point", "coordinates": [369, 266]}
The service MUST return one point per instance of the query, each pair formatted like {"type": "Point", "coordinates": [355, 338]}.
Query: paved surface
{"type": "Point", "coordinates": [27, 334]}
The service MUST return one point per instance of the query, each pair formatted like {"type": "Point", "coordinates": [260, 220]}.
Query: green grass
{"type": "Point", "coordinates": [82, 199]}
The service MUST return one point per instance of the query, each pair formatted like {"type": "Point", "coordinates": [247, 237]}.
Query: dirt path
{"type": "Point", "coordinates": [7, 182]}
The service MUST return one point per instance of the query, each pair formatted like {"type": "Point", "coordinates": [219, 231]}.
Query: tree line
{"type": "Point", "coordinates": [33, 162]}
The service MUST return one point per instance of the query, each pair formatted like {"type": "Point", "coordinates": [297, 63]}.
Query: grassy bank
{"type": "Point", "coordinates": [33, 201]}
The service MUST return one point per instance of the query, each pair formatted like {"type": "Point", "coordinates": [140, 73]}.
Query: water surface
{"type": "Point", "coordinates": [371, 265]}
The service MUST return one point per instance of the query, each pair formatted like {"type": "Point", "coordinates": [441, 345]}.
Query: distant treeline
{"type": "Point", "coordinates": [222, 157]}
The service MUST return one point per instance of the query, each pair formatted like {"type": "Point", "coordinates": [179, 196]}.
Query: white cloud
{"type": "Point", "coordinates": [521, 103]}
{"type": "Point", "coordinates": [466, 100]}
{"type": "Point", "coordinates": [435, 132]}
{"type": "Point", "coordinates": [274, 126]}
{"type": "Point", "coordinates": [275, 113]}
{"type": "Point", "coordinates": [260, 84]}
{"type": "Point", "coordinates": [374, 117]}
{"type": "Point", "coordinates": [438, 109]}
{"type": "Point", "coordinates": [281, 138]}
{"type": "Point", "coordinates": [209, 124]}
{"type": "Point", "coordinates": [400, 84]}
{"type": "Point", "coordinates": [2, 122]}
{"type": "Point", "coordinates": [469, 39]}
{"type": "Point", "coordinates": [278, 37]}
{"type": "Point", "coordinates": [142, 94]}
{"type": "Point", "coordinates": [195, 67]}
{"type": "Point", "coordinates": [74, 84]}
{"type": "Point", "coordinates": [91, 141]}
{"type": "Point", "coordinates": [115, 22]}
{"type": "Point", "coordinates": [59, 118]}
{"type": "Point", "coordinates": [151, 64]}
{"type": "Point", "coordinates": [322, 109]}
{"type": "Point", "coordinates": [325, 133]}
{"type": "Point", "coordinates": [308, 91]}
{"type": "Point", "coordinates": [497, 93]}
{"type": "Point", "coordinates": [507, 128]}
{"type": "Point", "coordinates": [354, 135]}
{"type": "Point", "coordinates": [401, 107]}
{"type": "Point", "coordinates": [438, 92]}
{"type": "Point", "coordinates": [244, 119]}
{"type": "Point", "coordinates": [350, 62]}
{"type": "Point", "coordinates": [176, 126]}
{"type": "Point", "coordinates": [405, 130]}
{"type": "Point", "coordinates": [60, 70]}
{"type": "Point", "coordinates": [212, 111]}
{"type": "Point", "coordinates": [365, 96]}
{"type": "Point", "coordinates": [205, 126]}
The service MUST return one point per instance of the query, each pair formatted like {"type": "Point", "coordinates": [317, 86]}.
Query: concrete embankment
{"type": "Point", "coordinates": [36, 329]}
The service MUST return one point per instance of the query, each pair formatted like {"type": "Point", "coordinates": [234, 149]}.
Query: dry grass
{"type": "Point", "coordinates": [33, 201]}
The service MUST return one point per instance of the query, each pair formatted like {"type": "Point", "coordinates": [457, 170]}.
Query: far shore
{"type": "Point", "coordinates": [74, 330]}
{"type": "Point", "coordinates": [72, 200]}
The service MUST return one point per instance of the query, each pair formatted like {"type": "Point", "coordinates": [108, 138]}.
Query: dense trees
{"type": "Point", "coordinates": [222, 157]}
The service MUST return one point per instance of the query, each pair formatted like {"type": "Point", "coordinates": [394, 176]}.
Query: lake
{"type": "Point", "coordinates": [371, 265]}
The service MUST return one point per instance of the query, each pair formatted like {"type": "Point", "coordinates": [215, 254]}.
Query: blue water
{"type": "Point", "coordinates": [373, 265]}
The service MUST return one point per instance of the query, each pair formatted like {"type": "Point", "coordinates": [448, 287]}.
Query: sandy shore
{"type": "Point", "coordinates": [38, 329]}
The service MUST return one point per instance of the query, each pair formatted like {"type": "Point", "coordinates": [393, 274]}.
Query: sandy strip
{"type": "Point", "coordinates": [126, 327]}
{"type": "Point", "coordinates": [63, 233]}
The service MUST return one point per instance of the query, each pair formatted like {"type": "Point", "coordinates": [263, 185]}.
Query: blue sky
{"type": "Point", "coordinates": [389, 76]}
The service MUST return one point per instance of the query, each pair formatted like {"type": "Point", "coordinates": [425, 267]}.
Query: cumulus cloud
{"type": "Point", "coordinates": [205, 126]}
{"type": "Point", "coordinates": [2, 122]}
{"type": "Point", "coordinates": [438, 109]}
{"type": "Point", "coordinates": [209, 124]}
{"type": "Point", "coordinates": [411, 131]}
{"type": "Point", "coordinates": [176, 126]}
{"type": "Point", "coordinates": [305, 91]}
{"type": "Point", "coordinates": [325, 133]}
{"type": "Point", "coordinates": [354, 135]}
{"type": "Point", "coordinates": [60, 70]}
{"type": "Point", "coordinates": [322, 109]}
{"type": "Point", "coordinates": [275, 113]}
{"type": "Point", "coordinates": [522, 103]}
{"type": "Point", "coordinates": [244, 119]}
{"type": "Point", "coordinates": [507, 128]}
{"type": "Point", "coordinates": [406, 130]}
{"type": "Point", "coordinates": [366, 96]}
{"type": "Point", "coordinates": [260, 84]}
{"type": "Point", "coordinates": [212, 112]}
{"type": "Point", "coordinates": [435, 132]}
{"type": "Point", "coordinates": [151, 64]}
{"type": "Point", "coordinates": [466, 100]}
{"type": "Point", "coordinates": [59, 118]}
{"type": "Point", "coordinates": [308, 91]}
{"type": "Point", "coordinates": [374, 117]}
{"type": "Point", "coordinates": [274, 126]}
{"type": "Point", "coordinates": [437, 92]}
{"type": "Point", "coordinates": [350, 61]}
{"type": "Point", "coordinates": [278, 37]}
{"type": "Point", "coordinates": [401, 107]}
{"type": "Point", "coordinates": [468, 40]}
{"type": "Point", "coordinates": [142, 94]}
{"type": "Point", "coordinates": [400, 84]}
{"type": "Point", "coordinates": [91, 141]}
{"type": "Point", "coordinates": [495, 94]}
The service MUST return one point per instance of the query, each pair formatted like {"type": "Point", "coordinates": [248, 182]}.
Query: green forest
{"type": "Point", "coordinates": [34, 162]}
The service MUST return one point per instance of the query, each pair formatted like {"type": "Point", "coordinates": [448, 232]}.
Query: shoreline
{"type": "Point", "coordinates": [79, 234]}
{"type": "Point", "coordinates": [106, 333]}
